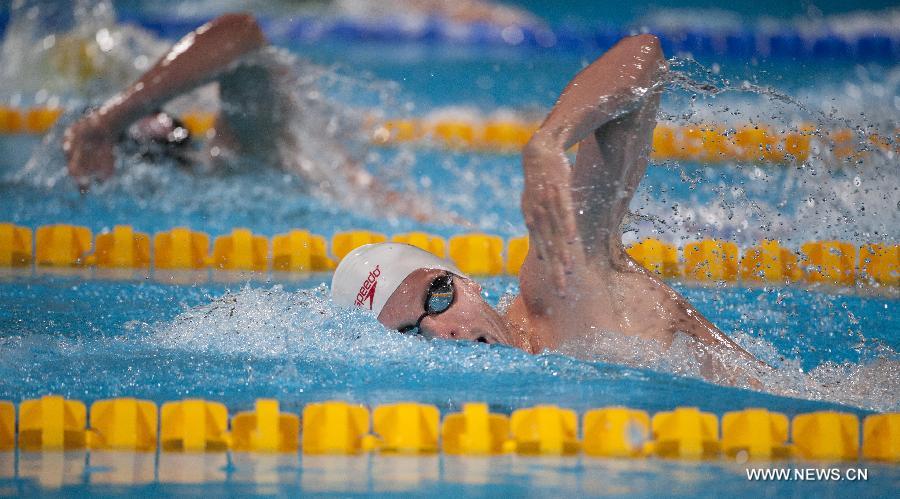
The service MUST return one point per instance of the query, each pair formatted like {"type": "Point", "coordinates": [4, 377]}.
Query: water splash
{"type": "Point", "coordinates": [70, 53]}
{"type": "Point", "coordinates": [870, 384]}
{"type": "Point", "coordinates": [322, 347]}
{"type": "Point", "coordinates": [826, 196]}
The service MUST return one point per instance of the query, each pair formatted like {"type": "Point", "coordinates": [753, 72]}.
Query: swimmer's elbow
{"type": "Point", "coordinates": [242, 25]}
{"type": "Point", "coordinates": [647, 44]}
{"type": "Point", "coordinates": [544, 142]}
{"type": "Point", "coordinates": [648, 41]}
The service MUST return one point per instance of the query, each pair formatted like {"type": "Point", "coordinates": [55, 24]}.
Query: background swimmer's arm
{"type": "Point", "coordinates": [196, 59]}
{"type": "Point", "coordinates": [563, 206]}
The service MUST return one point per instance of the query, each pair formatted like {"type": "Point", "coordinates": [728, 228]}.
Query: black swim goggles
{"type": "Point", "coordinates": [441, 295]}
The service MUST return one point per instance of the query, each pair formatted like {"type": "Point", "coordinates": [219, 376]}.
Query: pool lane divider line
{"type": "Point", "coordinates": [709, 260]}
{"type": "Point", "coordinates": [53, 423]}
{"type": "Point", "coordinates": [709, 143]}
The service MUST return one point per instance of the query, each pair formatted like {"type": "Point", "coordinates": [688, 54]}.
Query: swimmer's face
{"type": "Point", "coordinates": [468, 316]}
{"type": "Point", "coordinates": [159, 128]}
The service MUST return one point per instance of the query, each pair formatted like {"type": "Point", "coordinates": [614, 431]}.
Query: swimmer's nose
{"type": "Point", "coordinates": [436, 328]}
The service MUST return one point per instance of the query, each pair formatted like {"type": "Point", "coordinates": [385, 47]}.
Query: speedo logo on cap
{"type": "Point", "coordinates": [367, 290]}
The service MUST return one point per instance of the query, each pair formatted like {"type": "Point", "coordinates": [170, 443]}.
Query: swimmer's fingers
{"type": "Point", "coordinates": [75, 167]}
{"type": "Point", "coordinates": [89, 149]}
{"type": "Point", "coordinates": [532, 216]}
{"type": "Point", "coordinates": [563, 224]}
{"type": "Point", "coordinates": [538, 228]}
{"type": "Point", "coordinates": [87, 168]}
{"type": "Point", "coordinates": [106, 163]}
{"type": "Point", "coordinates": [556, 252]}
{"type": "Point", "coordinates": [539, 206]}
{"type": "Point", "coordinates": [560, 231]}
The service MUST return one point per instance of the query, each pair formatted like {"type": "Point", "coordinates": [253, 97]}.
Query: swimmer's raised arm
{"type": "Point", "coordinates": [195, 60]}
{"type": "Point", "coordinates": [579, 270]}
{"type": "Point", "coordinates": [563, 206]}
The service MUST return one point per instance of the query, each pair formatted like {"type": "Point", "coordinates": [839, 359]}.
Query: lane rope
{"type": "Point", "coordinates": [70, 246]}
{"type": "Point", "coordinates": [708, 143]}
{"type": "Point", "coordinates": [53, 423]}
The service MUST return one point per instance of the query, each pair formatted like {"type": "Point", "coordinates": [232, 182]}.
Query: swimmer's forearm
{"type": "Point", "coordinates": [624, 76]}
{"type": "Point", "coordinates": [195, 60]}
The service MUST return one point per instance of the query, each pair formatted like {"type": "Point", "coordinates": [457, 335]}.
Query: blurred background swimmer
{"type": "Point", "coordinates": [256, 122]}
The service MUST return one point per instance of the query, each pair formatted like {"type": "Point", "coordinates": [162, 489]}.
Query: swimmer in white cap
{"type": "Point", "coordinates": [577, 279]}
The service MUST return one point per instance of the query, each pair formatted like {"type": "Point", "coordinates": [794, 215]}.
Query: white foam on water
{"type": "Point", "coordinates": [304, 327]}
{"type": "Point", "coordinates": [70, 53]}
{"type": "Point", "coordinates": [869, 385]}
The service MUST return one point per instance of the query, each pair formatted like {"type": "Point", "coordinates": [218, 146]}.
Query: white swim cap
{"type": "Point", "coordinates": [370, 274]}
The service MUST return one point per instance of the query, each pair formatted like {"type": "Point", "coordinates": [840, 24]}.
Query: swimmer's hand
{"type": "Point", "coordinates": [89, 148]}
{"type": "Point", "coordinates": [548, 207]}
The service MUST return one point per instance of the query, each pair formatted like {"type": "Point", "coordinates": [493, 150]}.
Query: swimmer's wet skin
{"type": "Point", "coordinates": [577, 278]}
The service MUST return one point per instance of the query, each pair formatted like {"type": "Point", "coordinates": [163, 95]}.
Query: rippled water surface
{"type": "Point", "coordinates": [90, 335]}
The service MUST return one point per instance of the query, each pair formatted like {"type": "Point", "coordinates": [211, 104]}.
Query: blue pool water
{"type": "Point", "coordinates": [93, 339]}
{"type": "Point", "coordinates": [91, 335]}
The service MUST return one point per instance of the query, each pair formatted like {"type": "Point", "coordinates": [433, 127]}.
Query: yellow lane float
{"type": "Point", "coordinates": [616, 432]}
{"type": "Point", "coordinates": [475, 431]}
{"type": "Point", "coordinates": [336, 427]}
{"type": "Point", "coordinates": [819, 262]}
{"type": "Point", "coordinates": [769, 262]}
{"type": "Point", "coordinates": [880, 262]}
{"type": "Point", "coordinates": [241, 250]}
{"type": "Point", "coordinates": [265, 429]}
{"type": "Point", "coordinates": [826, 435]}
{"type": "Point", "coordinates": [52, 423]}
{"type": "Point", "coordinates": [710, 260]}
{"type": "Point", "coordinates": [829, 262]}
{"type": "Point", "coordinates": [7, 425]}
{"type": "Point", "coordinates": [881, 437]}
{"type": "Point", "coordinates": [516, 251]}
{"type": "Point", "coordinates": [757, 433]}
{"type": "Point", "coordinates": [123, 424]}
{"type": "Point", "coordinates": [685, 432]}
{"type": "Point", "coordinates": [544, 430]}
{"type": "Point", "coordinates": [122, 248]}
{"type": "Point", "coordinates": [180, 248]}
{"type": "Point", "coordinates": [194, 425]}
{"type": "Point", "coordinates": [62, 245]}
{"type": "Point", "coordinates": [15, 246]}
{"type": "Point", "coordinates": [406, 428]}
{"type": "Point", "coordinates": [477, 254]}
{"type": "Point", "coordinates": [300, 251]}
{"type": "Point", "coordinates": [656, 256]}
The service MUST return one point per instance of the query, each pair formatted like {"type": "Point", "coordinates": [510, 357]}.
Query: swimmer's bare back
{"type": "Point", "coordinates": [577, 278]}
